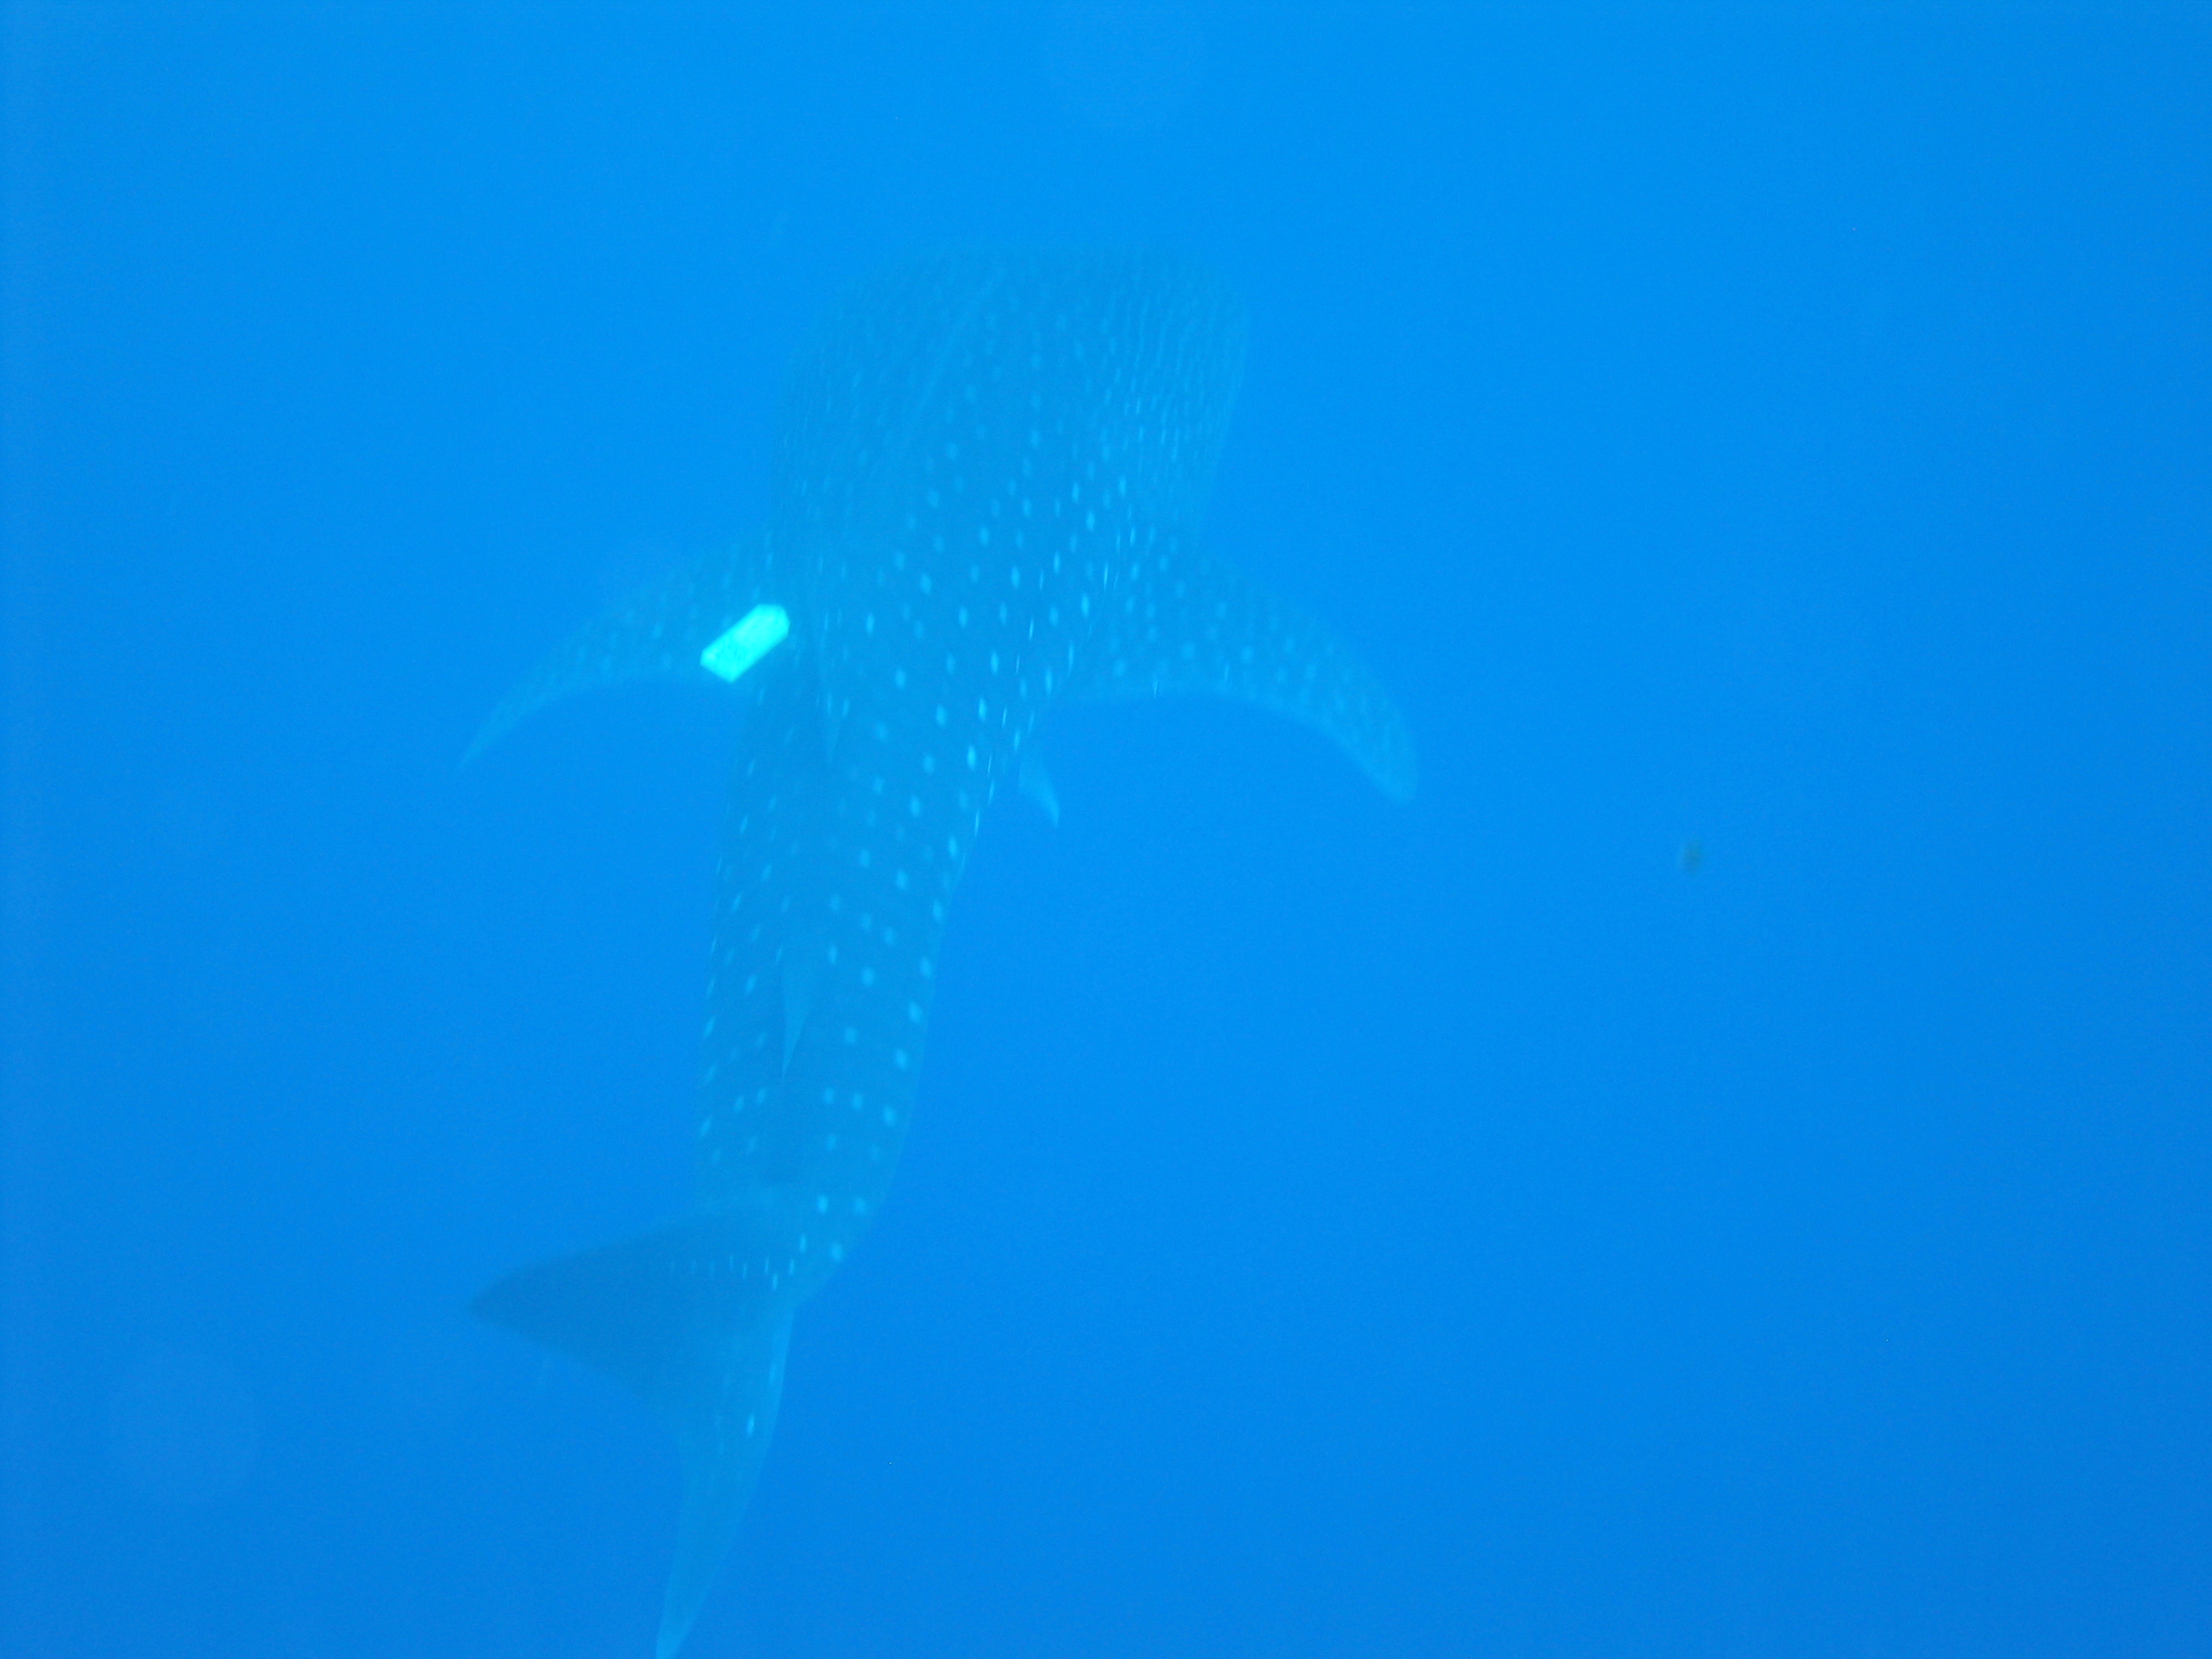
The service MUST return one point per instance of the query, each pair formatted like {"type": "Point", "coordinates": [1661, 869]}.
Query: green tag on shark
{"type": "Point", "coordinates": [757, 633]}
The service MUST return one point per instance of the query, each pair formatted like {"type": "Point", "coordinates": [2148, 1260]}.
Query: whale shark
{"type": "Point", "coordinates": [989, 471]}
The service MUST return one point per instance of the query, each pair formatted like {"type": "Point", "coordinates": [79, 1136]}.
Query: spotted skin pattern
{"type": "Point", "coordinates": [989, 473]}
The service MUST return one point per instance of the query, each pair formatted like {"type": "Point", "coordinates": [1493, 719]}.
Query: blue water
{"type": "Point", "coordinates": [1723, 1173]}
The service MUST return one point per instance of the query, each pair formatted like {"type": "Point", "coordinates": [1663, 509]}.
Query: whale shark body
{"type": "Point", "coordinates": [988, 479]}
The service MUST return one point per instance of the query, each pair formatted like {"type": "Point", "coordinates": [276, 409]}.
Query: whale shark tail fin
{"type": "Point", "coordinates": [686, 1317]}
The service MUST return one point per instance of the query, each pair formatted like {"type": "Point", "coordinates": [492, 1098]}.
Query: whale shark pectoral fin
{"type": "Point", "coordinates": [1190, 624]}
{"type": "Point", "coordinates": [685, 1315]}
{"type": "Point", "coordinates": [664, 627]}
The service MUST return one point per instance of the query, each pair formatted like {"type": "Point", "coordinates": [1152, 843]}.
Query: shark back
{"type": "Point", "coordinates": [975, 367]}
{"type": "Point", "coordinates": [977, 451]}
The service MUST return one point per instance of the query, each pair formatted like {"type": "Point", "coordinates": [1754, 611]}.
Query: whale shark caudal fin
{"type": "Point", "coordinates": [689, 1316]}
{"type": "Point", "coordinates": [666, 627]}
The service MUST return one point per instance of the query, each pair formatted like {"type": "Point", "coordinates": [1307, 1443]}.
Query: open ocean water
{"type": "Point", "coordinates": [1722, 1171]}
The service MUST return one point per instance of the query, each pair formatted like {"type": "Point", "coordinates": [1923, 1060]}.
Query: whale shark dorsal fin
{"type": "Point", "coordinates": [1183, 622]}
{"type": "Point", "coordinates": [1036, 785]}
{"type": "Point", "coordinates": [797, 1001]}
{"type": "Point", "coordinates": [667, 628]}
